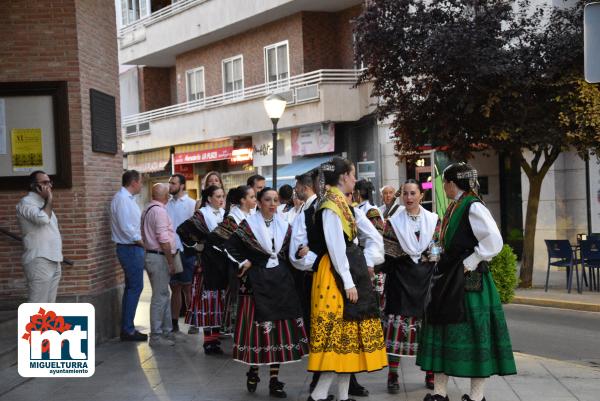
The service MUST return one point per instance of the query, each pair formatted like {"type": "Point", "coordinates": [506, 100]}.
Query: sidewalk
{"type": "Point", "coordinates": [557, 295]}
{"type": "Point", "coordinates": [135, 372]}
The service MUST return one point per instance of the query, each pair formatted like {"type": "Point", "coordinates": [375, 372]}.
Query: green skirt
{"type": "Point", "coordinates": [479, 347]}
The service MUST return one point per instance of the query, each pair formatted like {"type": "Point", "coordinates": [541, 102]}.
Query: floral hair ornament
{"type": "Point", "coordinates": [470, 175]}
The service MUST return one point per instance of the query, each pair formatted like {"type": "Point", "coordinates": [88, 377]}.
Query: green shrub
{"type": "Point", "coordinates": [504, 272]}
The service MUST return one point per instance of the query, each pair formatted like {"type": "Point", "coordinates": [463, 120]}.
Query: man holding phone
{"type": "Point", "coordinates": [42, 242]}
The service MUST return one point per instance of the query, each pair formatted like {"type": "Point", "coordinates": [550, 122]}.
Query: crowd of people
{"type": "Point", "coordinates": [316, 270]}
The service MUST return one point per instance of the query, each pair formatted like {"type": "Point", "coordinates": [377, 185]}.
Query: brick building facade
{"type": "Point", "coordinates": [72, 41]}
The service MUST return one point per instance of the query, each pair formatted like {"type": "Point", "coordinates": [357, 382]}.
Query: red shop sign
{"type": "Point", "coordinates": [202, 156]}
{"type": "Point", "coordinates": [187, 170]}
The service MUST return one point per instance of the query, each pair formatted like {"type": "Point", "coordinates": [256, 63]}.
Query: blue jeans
{"type": "Point", "coordinates": [132, 261]}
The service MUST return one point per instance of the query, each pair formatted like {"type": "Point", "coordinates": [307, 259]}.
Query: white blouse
{"type": "Point", "coordinates": [300, 238]}
{"type": "Point", "coordinates": [486, 231]}
{"type": "Point", "coordinates": [336, 244]}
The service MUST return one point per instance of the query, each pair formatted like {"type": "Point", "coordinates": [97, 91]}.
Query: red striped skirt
{"type": "Point", "coordinates": [267, 343]}
{"type": "Point", "coordinates": [401, 334]}
{"type": "Point", "coordinates": [206, 307]}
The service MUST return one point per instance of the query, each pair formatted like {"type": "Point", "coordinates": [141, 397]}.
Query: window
{"type": "Point", "coordinates": [233, 75]}
{"type": "Point", "coordinates": [133, 10]}
{"type": "Point", "coordinates": [358, 64]}
{"type": "Point", "coordinates": [195, 84]}
{"type": "Point", "coordinates": [277, 62]}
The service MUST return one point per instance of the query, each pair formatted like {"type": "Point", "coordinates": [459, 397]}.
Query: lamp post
{"type": "Point", "coordinates": [274, 106]}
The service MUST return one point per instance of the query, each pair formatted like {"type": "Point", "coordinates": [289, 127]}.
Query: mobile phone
{"type": "Point", "coordinates": [38, 188]}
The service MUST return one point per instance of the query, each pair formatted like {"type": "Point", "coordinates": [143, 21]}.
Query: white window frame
{"type": "Point", "coordinates": [187, 84]}
{"type": "Point", "coordinates": [137, 8]}
{"type": "Point", "coordinates": [234, 92]}
{"type": "Point", "coordinates": [361, 65]}
{"type": "Point", "coordinates": [278, 82]}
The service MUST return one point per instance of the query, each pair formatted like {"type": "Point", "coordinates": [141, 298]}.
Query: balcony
{"type": "Point", "coordinates": [155, 40]}
{"type": "Point", "coordinates": [317, 96]}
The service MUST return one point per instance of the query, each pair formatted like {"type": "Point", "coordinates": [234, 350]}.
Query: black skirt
{"type": "Point", "coordinates": [406, 286]}
{"type": "Point", "coordinates": [274, 293]}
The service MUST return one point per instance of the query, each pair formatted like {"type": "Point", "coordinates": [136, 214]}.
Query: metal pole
{"type": "Point", "coordinates": [274, 120]}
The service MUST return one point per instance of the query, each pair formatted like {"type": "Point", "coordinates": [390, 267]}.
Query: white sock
{"type": "Point", "coordinates": [477, 385]}
{"type": "Point", "coordinates": [343, 386]}
{"type": "Point", "coordinates": [440, 384]}
{"type": "Point", "coordinates": [322, 387]}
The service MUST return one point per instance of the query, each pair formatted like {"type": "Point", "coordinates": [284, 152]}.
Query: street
{"type": "Point", "coordinates": [560, 334]}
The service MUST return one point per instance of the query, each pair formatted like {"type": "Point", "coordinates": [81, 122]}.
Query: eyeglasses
{"type": "Point", "coordinates": [45, 182]}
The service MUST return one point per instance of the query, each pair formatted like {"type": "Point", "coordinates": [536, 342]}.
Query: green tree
{"type": "Point", "coordinates": [492, 75]}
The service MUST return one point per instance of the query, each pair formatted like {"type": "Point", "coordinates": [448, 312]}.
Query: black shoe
{"type": "Point", "coordinates": [175, 324]}
{"type": "Point", "coordinates": [212, 349]}
{"type": "Point", "coordinates": [252, 381]}
{"type": "Point", "coordinates": [465, 397]}
{"type": "Point", "coordinates": [356, 389]}
{"type": "Point", "coordinates": [393, 387]}
{"type": "Point", "coordinates": [429, 377]}
{"type": "Point", "coordinates": [435, 397]}
{"type": "Point", "coordinates": [136, 336]}
{"type": "Point", "coordinates": [276, 388]}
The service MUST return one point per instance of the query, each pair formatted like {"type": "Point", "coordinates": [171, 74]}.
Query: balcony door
{"type": "Point", "coordinates": [277, 61]}
{"type": "Point", "coordinates": [133, 10]}
{"type": "Point", "coordinates": [233, 77]}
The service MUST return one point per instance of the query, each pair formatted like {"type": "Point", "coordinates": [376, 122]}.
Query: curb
{"type": "Point", "coordinates": [555, 303]}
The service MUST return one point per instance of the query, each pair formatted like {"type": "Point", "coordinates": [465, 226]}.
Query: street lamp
{"type": "Point", "coordinates": [275, 105]}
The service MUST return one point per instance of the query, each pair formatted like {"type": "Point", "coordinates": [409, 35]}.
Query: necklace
{"type": "Point", "coordinates": [268, 221]}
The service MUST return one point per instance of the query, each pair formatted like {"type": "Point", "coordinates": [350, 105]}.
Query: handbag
{"type": "Point", "coordinates": [177, 263]}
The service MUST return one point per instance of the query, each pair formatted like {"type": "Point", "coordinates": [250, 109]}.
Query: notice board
{"type": "Point", "coordinates": [34, 133]}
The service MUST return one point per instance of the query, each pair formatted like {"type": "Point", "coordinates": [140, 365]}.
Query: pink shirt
{"type": "Point", "coordinates": [157, 227]}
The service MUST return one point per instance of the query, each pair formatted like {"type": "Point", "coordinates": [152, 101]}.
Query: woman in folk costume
{"type": "Point", "coordinates": [210, 279]}
{"type": "Point", "coordinates": [465, 332]}
{"type": "Point", "coordinates": [346, 334]}
{"type": "Point", "coordinates": [269, 328]}
{"type": "Point", "coordinates": [407, 237]}
{"type": "Point", "coordinates": [240, 201]}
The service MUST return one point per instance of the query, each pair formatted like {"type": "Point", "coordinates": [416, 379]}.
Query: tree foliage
{"type": "Point", "coordinates": [496, 75]}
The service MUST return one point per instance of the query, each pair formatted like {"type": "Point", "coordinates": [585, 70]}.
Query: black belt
{"type": "Point", "coordinates": [139, 246]}
{"type": "Point", "coordinates": [156, 252]}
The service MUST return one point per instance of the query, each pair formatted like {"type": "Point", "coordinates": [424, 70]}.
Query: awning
{"type": "Point", "coordinates": [149, 162]}
{"type": "Point", "coordinates": [203, 152]}
{"type": "Point", "coordinates": [287, 174]}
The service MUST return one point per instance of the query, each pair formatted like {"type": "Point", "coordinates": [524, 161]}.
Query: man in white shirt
{"type": "Point", "coordinates": [125, 218]}
{"type": "Point", "coordinates": [257, 182]}
{"type": "Point", "coordinates": [180, 208]}
{"type": "Point", "coordinates": [41, 239]}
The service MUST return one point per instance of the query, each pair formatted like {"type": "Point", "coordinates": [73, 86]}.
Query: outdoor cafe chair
{"type": "Point", "coordinates": [590, 258]}
{"type": "Point", "coordinates": [560, 250]}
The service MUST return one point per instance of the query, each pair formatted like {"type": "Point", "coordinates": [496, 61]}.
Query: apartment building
{"type": "Point", "coordinates": [192, 100]}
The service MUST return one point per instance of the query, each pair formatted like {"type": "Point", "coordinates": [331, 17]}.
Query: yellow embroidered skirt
{"type": "Point", "coordinates": [338, 345]}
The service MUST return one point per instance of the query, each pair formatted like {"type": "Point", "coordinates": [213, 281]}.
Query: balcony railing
{"type": "Point", "coordinates": [159, 15]}
{"type": "Point", "coordinates": [296, 90]}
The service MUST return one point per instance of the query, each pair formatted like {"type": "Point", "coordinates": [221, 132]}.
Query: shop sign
{"type": "Point", "coordinates": [262, 146]}
{"type": "Point", "coordinates": [187, 170]}
{"type": "Point", "coordinates": [313, 139]}
{"type": "Point", "coordinates": [203, 156]}
{"type": "Point", "coordinates": [241, 155]}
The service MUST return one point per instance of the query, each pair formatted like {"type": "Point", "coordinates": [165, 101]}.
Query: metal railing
{"type": "Point", "coordinates": [302, 82]}
{"type": "Point", "coordinates": [159, 15]}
